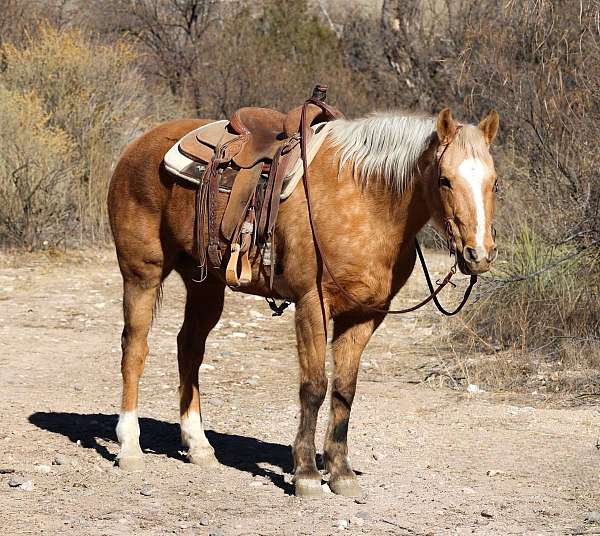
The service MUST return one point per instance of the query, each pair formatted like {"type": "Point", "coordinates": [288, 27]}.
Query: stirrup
{"type": "Point", "coordinates": [232, 277]}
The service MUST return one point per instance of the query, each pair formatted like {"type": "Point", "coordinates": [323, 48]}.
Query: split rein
{"type": "Point", "coordinates": [319, 248]}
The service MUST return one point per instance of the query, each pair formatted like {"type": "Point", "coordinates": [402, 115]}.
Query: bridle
{"type": "Point", "coordinates": [451, 240]}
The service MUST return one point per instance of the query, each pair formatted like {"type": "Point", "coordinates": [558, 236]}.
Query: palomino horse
{"type": "Point", "coordinates": [374, 184]}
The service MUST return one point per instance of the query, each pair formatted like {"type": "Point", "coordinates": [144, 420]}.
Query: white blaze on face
{"type": "Point", "coordinates": [473, 171]}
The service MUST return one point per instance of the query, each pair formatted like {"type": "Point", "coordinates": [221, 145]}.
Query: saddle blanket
{"type": "Point", "coordinates": [180, 165]}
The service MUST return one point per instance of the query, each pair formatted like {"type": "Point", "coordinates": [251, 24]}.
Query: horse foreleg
{"type": "Point", "coordinates": [349, 339]}
{"type": "Point", "coordinates": [203, 309]}
{"type": "Point", "coordinates": [312, 339]}
{"type": "Point", "coordinates": [138, 301]}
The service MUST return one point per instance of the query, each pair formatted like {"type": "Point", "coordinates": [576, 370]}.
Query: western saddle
{"type": "Point", "coordinates": [247, 158]}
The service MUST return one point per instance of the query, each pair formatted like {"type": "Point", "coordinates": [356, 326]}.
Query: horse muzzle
{"type": "Point", "coordinates": [475, 261]}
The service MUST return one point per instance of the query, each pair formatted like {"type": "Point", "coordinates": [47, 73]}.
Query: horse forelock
{"type": "Point", "coordinates": [383, 146]}
{"type": "Point", "coordinates": [470, 139]}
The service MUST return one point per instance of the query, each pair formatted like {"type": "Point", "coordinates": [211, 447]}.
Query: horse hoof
{"type": "Point", "coordinates": [204, 458]}
{"type": "Point", "coordinates": [308, 487]}
{"type": "Point", "coordinates": [348, 487]}
{"type": "Point", "coordinates": [131, 463]}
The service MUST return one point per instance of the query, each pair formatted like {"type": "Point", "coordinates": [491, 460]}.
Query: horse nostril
{"type": "Point", "coordinates": [471, 254]}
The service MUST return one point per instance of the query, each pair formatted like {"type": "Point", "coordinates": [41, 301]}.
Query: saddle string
{"type": "Point", "coordinates": [320, 251]}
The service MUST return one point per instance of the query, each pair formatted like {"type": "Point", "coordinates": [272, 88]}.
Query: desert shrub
{"type": "Point", "coordinates": [92, 93]}
{"type": "Point", "coordinates": [541, 297]}
{"type": "Point", "coordinates": [220, 56]}
{"type": "Point", "coordinates": [36, 168]}
{"type": "Point", "coordinates": [273, 57]}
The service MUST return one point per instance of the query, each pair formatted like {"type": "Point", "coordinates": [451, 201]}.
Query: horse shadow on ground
{"type": "Point", "coordinates": [160, 437]}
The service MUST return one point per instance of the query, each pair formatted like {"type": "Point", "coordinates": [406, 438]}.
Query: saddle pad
{"type": "Point", "coordinates": [181, 166]}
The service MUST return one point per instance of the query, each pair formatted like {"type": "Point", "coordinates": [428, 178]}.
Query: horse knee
{"type": "Point", "coordinates": [313, 392]}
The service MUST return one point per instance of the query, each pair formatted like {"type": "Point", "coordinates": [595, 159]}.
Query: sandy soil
{"type": "Point", "coordinates": [431, 461]}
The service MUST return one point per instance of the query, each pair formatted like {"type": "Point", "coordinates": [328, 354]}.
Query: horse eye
{"type": "Point", "coordinates": [495, 188]}
{"type": "Point", "coordinates": [444, 182]}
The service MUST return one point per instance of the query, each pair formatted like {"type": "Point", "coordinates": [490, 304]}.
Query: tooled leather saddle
{"type": "Point", "coordinates": [247, 158]}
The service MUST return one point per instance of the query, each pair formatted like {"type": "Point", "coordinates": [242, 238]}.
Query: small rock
{"type": "Point", "coordinates": [215, 532]}
{"type": "Point", "coordinates": [238, 334]}
{"type": "Point", "coordinates": [16, 481]}
{"type": "Point", "coordinates": [42, 468]}
{"type": "Point", "coordinates": [27, 486]}
{"type": "Point", "coordinates": [216, 401]}
{"type": "Point", "coordinates": [204, 521]}
{"type": "Point", "coordinates": [362, 514]}
{"type": "Point", "coordinates": [474, 389]}
{"type": "Point", "coordinates": [495, 472]}
{"type": "Point", "coordinates": [60, 459]}
{"type": "Point", "coordinates": [252, 381]}
{"type": "Point", "coordinates": [360, 500]}
{"type": "Point", "coordinates": [6, 471]}
{"type": "Point", "coordinates": [341, 524]}
{"type": "Point", "coordinates": [487, 515]}
{"type": "Point", "coordinates": [146, 491]}
{"type": "Point", "coordinates": [468, 491]}
{"type": "Point", "coordinates": [593, 517]}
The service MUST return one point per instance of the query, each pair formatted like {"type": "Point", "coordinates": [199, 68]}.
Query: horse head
{"type": "Point", "coordinates": [464, 189]}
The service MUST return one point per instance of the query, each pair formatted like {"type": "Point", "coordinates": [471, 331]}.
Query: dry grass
{"type": "Point", "coordinates": [87, 100]}
{"type": "Point", "coordinates": [536, 323]}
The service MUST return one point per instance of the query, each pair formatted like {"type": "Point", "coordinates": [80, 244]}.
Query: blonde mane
{"type": "Point", "coordinates": [387, 146]}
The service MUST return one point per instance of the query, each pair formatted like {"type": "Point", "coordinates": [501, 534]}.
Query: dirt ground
{"type": "Point", "coordinates": [431, 461]}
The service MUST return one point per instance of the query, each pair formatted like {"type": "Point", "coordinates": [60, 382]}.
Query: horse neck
{"type": "Point", "coordinates": [403, 214]}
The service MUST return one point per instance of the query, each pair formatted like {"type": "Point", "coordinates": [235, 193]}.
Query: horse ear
{"type": "Point", "coordinates": [489, 126]}
{"type": "Point", "coordinates": [446, 126]}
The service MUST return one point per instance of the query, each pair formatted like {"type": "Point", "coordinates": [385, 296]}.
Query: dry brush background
{"type": "Point", "coordinates": [78, 80]}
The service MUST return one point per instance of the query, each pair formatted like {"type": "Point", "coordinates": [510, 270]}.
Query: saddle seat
{"type": "Point", "coordinates": [258, 134]}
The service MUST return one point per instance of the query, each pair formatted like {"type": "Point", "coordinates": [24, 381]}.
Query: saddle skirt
{"type": "Point", "coordinates": [187, 159]}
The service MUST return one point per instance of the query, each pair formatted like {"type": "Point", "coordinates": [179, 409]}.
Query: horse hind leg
{"type": "Point", "coordinates": [204, 305]}
{"type": "Point", "coordinates": [140, 292]}
{"type": "Point", "coordinates": [349, 340]}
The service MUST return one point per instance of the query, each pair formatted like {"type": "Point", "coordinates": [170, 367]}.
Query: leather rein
{"type": "Point", "coordinates": [319, 248]}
